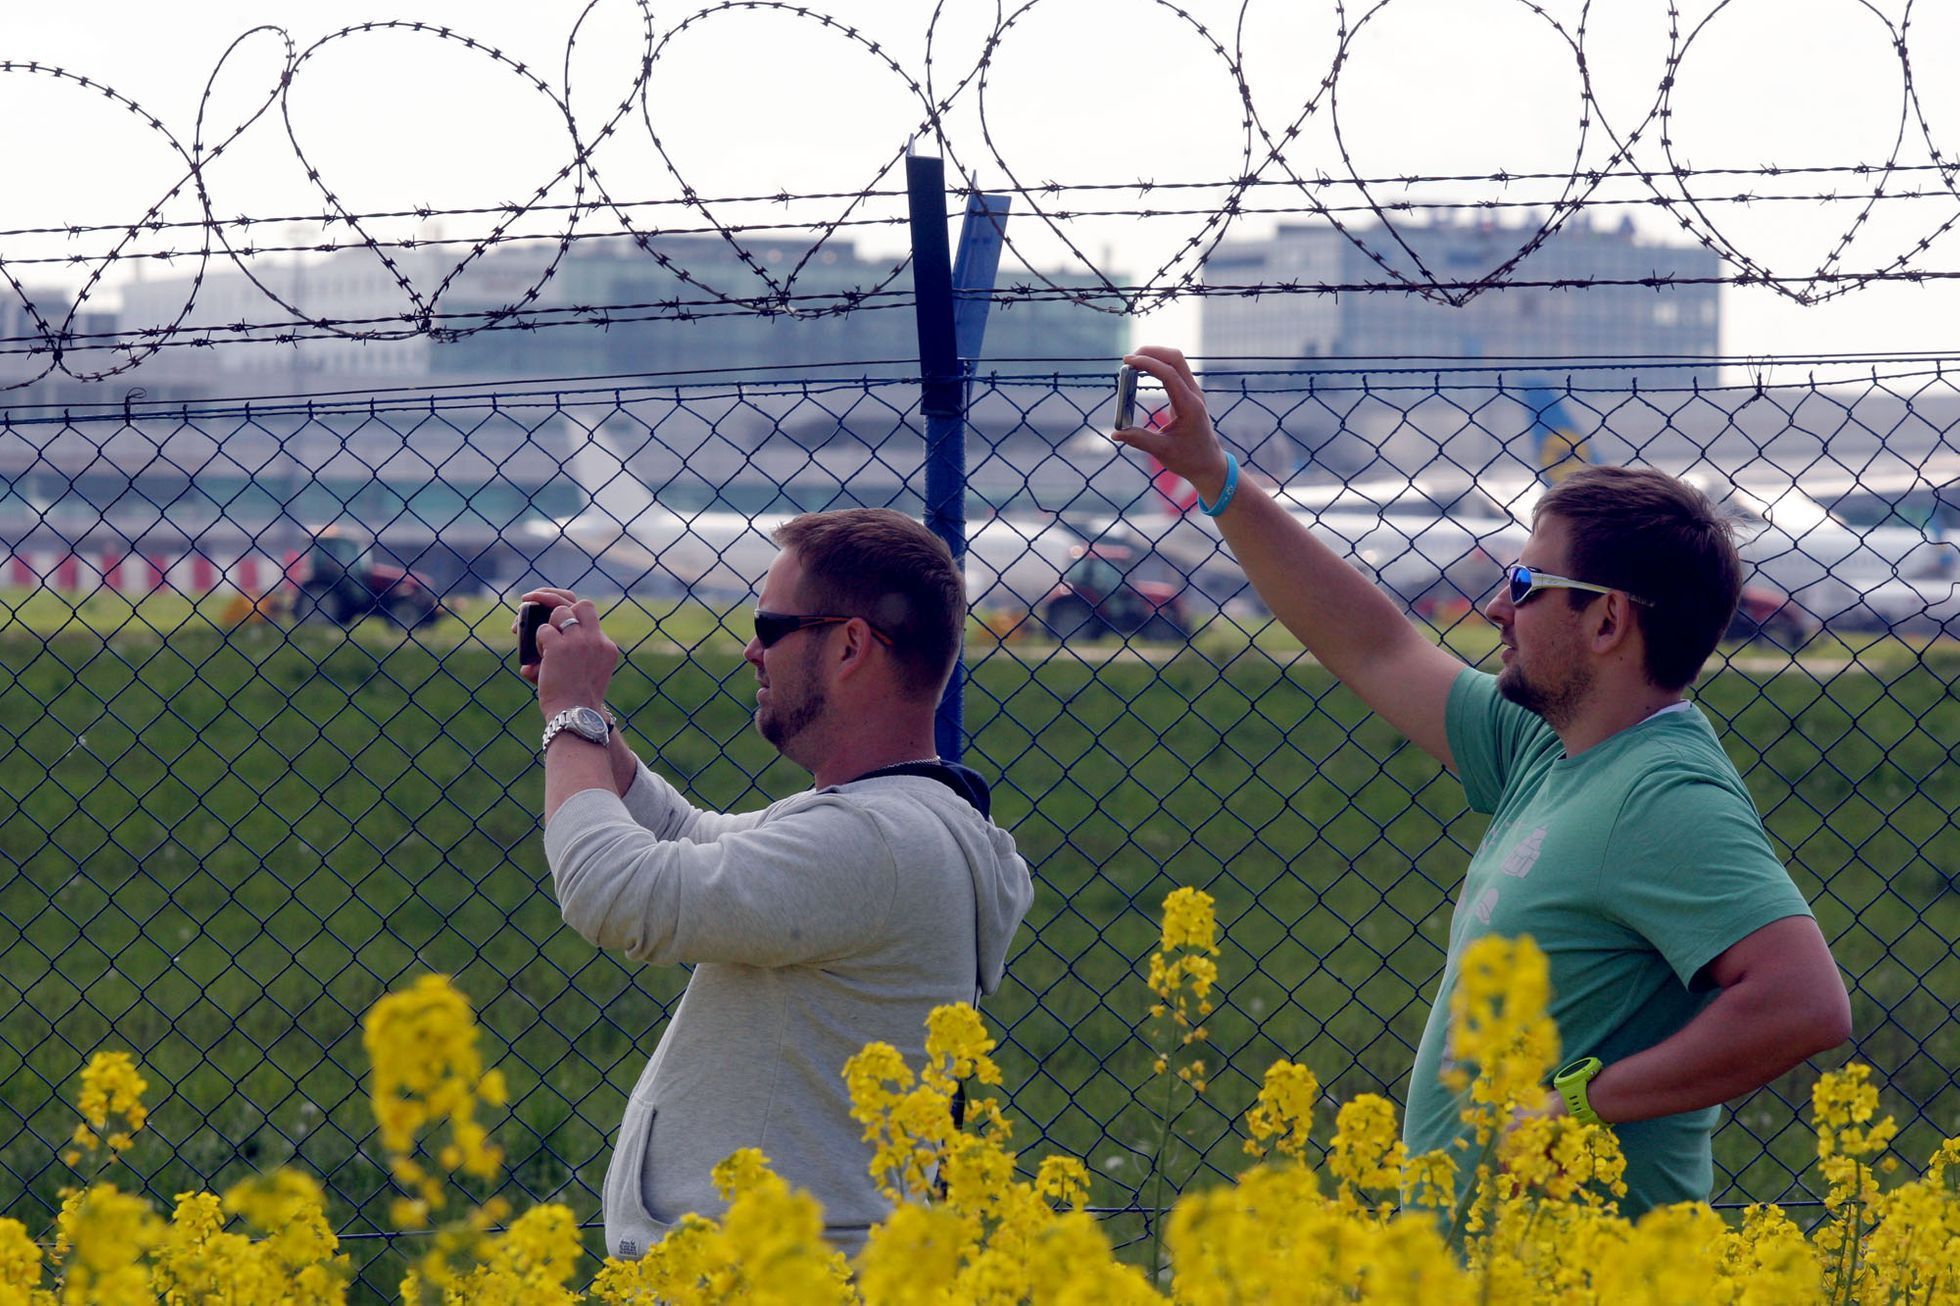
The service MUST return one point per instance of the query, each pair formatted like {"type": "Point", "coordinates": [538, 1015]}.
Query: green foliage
{"type": "Point", "coordinates": [219, 849]}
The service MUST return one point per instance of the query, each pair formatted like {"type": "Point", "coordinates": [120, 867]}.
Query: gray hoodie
{"type": "Point", "coordinates": [823, 922]}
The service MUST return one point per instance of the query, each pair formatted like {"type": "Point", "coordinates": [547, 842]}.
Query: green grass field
{"type": "Point", "coordinates": [220, 848]}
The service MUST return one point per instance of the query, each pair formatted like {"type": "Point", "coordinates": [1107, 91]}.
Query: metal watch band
{"type": "Point", "coordinates": [563, 722]}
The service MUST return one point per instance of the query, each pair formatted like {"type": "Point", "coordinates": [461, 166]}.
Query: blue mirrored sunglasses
{"type": "Point", "coordinates": [1525, 582]}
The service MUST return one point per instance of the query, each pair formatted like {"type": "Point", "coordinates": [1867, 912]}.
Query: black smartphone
{"type": "Point", "coordinates": [1126, 397]}
{"type": "Point", "coordinates": [529, 617]}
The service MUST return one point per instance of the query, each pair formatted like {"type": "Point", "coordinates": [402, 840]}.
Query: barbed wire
{"type": "Point", "coordinates": [1411, 206]}
{"type": "Point", "coordinates": [1650, 373]}
{"type": "Point", "coordinates": [1372, 214]}
{"type": "Point", "coordinates": [1141, 186]}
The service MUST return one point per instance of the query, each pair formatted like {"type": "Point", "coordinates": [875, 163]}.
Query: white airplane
{"type": "Point", "coordinates": [710, 554]}
{"type": "Point", "coordinates": [1399, 532]}
{"type": "Point", "coordinates": [1425, 544]}
{"type": "Point", "coordinates": [1887, 574]}
{"type": "Point", "coordinates": [1015, 561]}
{"type": "Point", "coordinates": [1857, 577]}
{"type": "Point", "coordinates": [1923, 499]}
{"type": "Point", "coordinates": [1792, 546]}
{"type": "Point", "coordinates": [1924, 495]}
{"type": "Point", "coordinates": [1431, 542]}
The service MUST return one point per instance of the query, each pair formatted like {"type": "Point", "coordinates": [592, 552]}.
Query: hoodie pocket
{"type": "Point", "coordinates": [630, 1228]}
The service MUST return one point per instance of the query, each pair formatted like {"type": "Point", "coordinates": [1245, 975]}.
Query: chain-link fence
{"type": "Point", "coordinates": [264, 754]}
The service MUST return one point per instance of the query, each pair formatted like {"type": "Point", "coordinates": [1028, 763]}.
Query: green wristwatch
{"type": "Point", "coordinates": [1571, 1085]}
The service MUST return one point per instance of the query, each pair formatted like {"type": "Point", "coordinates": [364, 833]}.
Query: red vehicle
{"type": "Point", "coordinates": [1102, 593]}
{"type": "Point", "coordinates": [342, 581]}
{"type": "Point", "coordinates": [1768, 614]}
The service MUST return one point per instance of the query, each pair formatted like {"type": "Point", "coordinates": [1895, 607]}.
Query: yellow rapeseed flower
{"type": "Point", "coordinates": [1070, 1263]}
{"type": "Point", "coordinates": [1842, 1105]}
{"type": "Point", "coordinates": [908, 1118]}
{"type": "Point", "coordinates": [980, 1179]}
{"type": "Point", "coordinates": [1913, 1251]}
{"type": "Point", "coordinates": [1499, 1024]}
{"type": "Point", "coordinates": [1367, 1151]}
{"type": "Point", "coordinates": [428, 1076]}
{"type": "Point", "coordinates": [1543, 1227]}
{"type": "Point", "coordinates": [1768, 1258]}
{"type": "Point", "coordinates": [1673, 1255]}
{"type": "Point", "coordinates": [874, 1077]}
{"type": "Point", "coordinates": [1189, 921]}
{"type": "Point", "coordinates": [1274, 1237]}
{"type": "Point", "coordinates": [688, 1267]}
{"type": "Point", "coordinates": [198, 1260]}
{"type": "Point", "coordinates": [1407, 1264]}
{"type": "Point", "coordinates": [195, 1259]}
{"type": "Point", "coordinates": [1429, 1180]}
{"type": "Point", "coordinates": [113, 1089]}
{"type": "Point", "coordinates": [958, 1044]}
{"type": "Point", "coordinates": [291, 1208]}
{"type": "Point", "coordinates": [1062, 1180]}
{"type": "Point", "coordinates": [912, 1256]}
{"type": "Point", "coordinates": [1283, 1116]}
{"type": "Point", "coordinates": [774, 1236]}
{"type": "Point", "coordinates": [20, 1261]}
{"type": "Point", "coordinates": [530, 1262]}
{"type": "Point", "coordinates": [1181, 972]}
{"type": "Point", "coordinates": [102, 1235]}
{"type": "Point", "coordinates": [1562, 1159]}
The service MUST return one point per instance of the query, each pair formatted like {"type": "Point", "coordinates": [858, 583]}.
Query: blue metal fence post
{"type": "Point", "coordinates": [951, 301]}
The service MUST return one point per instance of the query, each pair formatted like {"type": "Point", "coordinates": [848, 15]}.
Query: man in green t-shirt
{"type": "Point", "coordinates": [1686, 968]}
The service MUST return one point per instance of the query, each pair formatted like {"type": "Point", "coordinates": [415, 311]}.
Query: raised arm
{"type": "Point", "coordinates": [1355, 630]}
{"type": "Point", "coordinates": [589, 661]}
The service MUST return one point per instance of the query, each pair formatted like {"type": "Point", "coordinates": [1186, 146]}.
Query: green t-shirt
{"type": "Point", "coordinates": [1633, 865]}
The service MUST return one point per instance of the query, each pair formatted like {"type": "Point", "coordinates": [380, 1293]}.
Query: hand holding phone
{"type": "Point", "coordinates": [1126, 397]}
{"type": "Point", "coordinates": [530, 616]}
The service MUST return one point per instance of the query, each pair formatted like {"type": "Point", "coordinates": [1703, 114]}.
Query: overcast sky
{"type": "Point", "coordinates": [1079, 91]}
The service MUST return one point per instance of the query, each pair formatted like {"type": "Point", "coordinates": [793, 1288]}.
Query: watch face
{"type": "Point", "coordinates": [588, 722]}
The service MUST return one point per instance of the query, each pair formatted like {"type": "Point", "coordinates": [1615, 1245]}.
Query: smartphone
{"type": "Point", "coordinates": [530, 616]}
{"type": "Point", "coordinates": [1126, 396]}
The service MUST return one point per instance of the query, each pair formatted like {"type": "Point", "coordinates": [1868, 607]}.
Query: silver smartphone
{"type": "Point", "coordinates": [1126, 396]}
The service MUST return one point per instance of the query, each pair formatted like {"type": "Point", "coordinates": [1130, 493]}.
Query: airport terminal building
{"type": "Point", "coordinates": [165, 489]}
{"type": "Point", "coordinates": [1358, 332]}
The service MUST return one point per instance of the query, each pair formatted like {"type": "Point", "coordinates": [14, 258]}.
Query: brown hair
{"type": "Point", "coordinates": [1651, 535]}
{"type": "Point", "coordinates": [883, 566]}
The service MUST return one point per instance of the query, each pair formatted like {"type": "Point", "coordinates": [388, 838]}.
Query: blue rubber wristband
{"type": "Point", "coordinates": [1224, 495]}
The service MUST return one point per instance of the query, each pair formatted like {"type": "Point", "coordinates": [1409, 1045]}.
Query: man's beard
{"type": "Point", "coordinates": [1556, 704]}
{"type": "Point", "coordinates": [781, 725]}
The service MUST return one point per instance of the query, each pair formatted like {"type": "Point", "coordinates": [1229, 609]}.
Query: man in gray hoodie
{"type": "Point", "coordinates": [831, 919]}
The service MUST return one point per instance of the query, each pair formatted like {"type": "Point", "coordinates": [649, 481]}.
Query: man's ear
{"type": "Point", "coordinates": [854, 650]}
{"type": "Point", "coordinates": [1613, 624]}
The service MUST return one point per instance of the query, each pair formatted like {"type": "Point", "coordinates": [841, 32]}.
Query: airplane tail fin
{"type": "Point", "coordinates": [614, 493]}
{"type": "Point", "coordinates": [1558, 447]}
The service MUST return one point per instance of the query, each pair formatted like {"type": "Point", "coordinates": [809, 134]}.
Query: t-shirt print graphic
{"type": "Point", "coordinates": [1520, 860]}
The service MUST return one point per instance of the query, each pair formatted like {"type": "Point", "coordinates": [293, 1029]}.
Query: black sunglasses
{"type": "Point", "coordinates": [1525, 583]}
{"type": "Point", "coordinates": [773, 627]}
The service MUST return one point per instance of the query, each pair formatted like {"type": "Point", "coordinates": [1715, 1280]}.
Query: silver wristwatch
{"type": "Point", "coordinates": [588, 723]}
